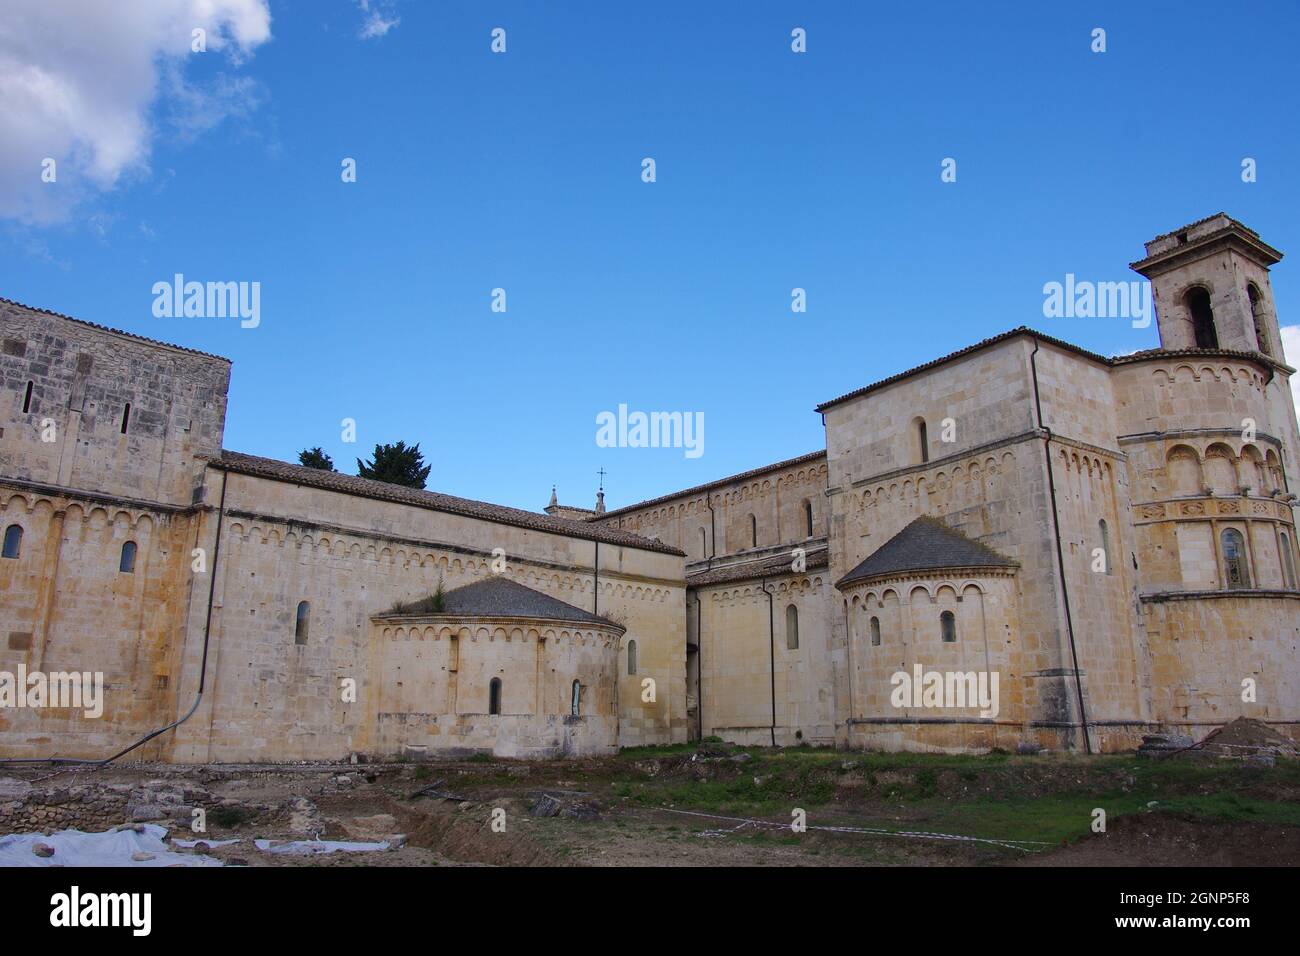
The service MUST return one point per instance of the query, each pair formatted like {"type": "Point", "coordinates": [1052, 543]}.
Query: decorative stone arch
{"type": "Point", "coordinates": [1251, 472]}
{"type": "Point", "coordinates": [1274, 468]}
{"type": "Point", "coordinates": [1219, 469]}
{"type": "Point", "coordinates": [1183, 471]}
{"type": "Point", "coordinates": [1197, 302]}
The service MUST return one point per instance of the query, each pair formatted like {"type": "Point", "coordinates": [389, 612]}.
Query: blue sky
{"type": "Point", "coordinates": [522, 171]}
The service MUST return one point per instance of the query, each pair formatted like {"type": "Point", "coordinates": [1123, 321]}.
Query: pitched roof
{"type": "Point", "coordinates": [772, 567]}
{"type": "Point", "coordinates": [500, 597]}
{"type": "Point", "coordinates": [105, 328]}
{"type": "Point", "coordinates": [927, 544]}
{"type": "Point", "coordinates": [994, 340]}
{"type": "Point", "coordinates": [744, 475]}
{"type": "Point", "coordinates": [432, 500]}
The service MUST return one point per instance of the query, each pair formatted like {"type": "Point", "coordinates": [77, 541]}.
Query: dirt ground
{"type": "Point", "coordinates": [700, 805]}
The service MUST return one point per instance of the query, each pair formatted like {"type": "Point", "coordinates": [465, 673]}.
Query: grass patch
{"type": "Point", "coordinates": [230, 816]}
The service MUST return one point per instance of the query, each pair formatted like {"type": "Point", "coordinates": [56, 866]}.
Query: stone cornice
{"type": "Point", "coordinates": [461, 620]}
{"type": "Point", "coordinates": [1161, 597]}
{"type": "Point", "coordinates": [446, 546]}
{"type": "Point", "coordinates": [930, 574]}
{"type": "Point", "coordinates": [76, 494]}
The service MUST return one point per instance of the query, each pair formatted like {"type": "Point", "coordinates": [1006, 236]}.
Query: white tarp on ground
{"type": "Point", "coordinates": [317, 847]}
{"type": "Point", "coordinates": [110, 848]}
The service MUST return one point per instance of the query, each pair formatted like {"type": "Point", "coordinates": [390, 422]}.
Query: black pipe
{"type": "Point", "coordinates": [713, 529]}
{"type": "Point", "coordinates": [1060, 555]}
{"type": "Point", "coordinates": [699, 665]}
{"type": "Point", "coordinates": [771, 649]}
{"type": "Point", "coordinates": [203, 668]}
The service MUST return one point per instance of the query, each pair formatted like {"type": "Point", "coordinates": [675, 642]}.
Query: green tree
{"type": "Point", "coordinates": [315, 458]}
{"type": "Point", "coordinates": [397, 465]}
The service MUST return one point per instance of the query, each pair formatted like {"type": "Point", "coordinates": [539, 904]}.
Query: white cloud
{"type": "Point", "coordinates": [1291, 350]}
{"type": "Point", "coordinates": [381, 16]}
{"type": "Point", "coordinates": [79, 80]}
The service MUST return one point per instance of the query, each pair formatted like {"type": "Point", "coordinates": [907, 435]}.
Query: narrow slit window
{"type": "Point", "coordinates": [27, 398]}
{"type": "Point", "coordinates": [127, 563]}
{"type": "Point", "coordinates": [808, 518]}
{"type": "Point", "coordinates": [575, 700]}
{"type": "Point", "coordinates": [13, 546]}
{"type": "Point", "coordinates": [875, 632]}
{"type": "Point", "coordinates": [922, 437]}
{"type": "Point", "coordinates": [948, 626]}
{"type": "Point", "coordinates": [494, 696]}
{"type": "Point", "coordinates": [753, 532]}
{"type": "Point", "coordinates": [631, 657]}
{"type": "Point", "coordinates": [126, 417]}
{"type": "Point", "coordinates": [303, 624]}
{"type": "Point", "coordinates": [792, 628]}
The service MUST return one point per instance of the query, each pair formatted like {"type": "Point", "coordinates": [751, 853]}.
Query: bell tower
{"type": "Point", "coordinates": [1210, 285]}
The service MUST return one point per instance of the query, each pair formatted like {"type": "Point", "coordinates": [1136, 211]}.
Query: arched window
{"type": "Point", "coordinates": [494, 696]}
{"type": "Point", "coordinates": [753, 532]}
{"type": "Point", "coordinates": [1234, 559]}
{"type": "Point", "coordinates": [808, 517]}
{"type": "Point", "coordinates": [575, 700]}
{"type": "Point", "coordinates": [791, 628]}
{"type": "Point", "coordinates": [1288, 562]}
{"type": "Point", "coordinates": [1257, 312]}
{"type": "Point", "coordinates": [948, 627]}
{"type": "Point", "coordinates": [27, 398]}
{"type": "Point", "coordinates": [1105, 546]}
{"type": "Point", "coordinates": [922, 440]}
{"type": "Point", "coordinates": [13, 541]}
{"type": "Point", "coordinates": [1198, 305]}
{"type": "Point", "coordinates": [631, 657]}
{"type": "Point", "coordinates": [304, 621]}
{"type": "Point", "coordinates": [875, 632]}
{"type": "Point", "coordinates": [127, 564]}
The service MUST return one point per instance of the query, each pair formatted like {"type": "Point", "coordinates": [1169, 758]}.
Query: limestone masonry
{"type": "Point", "coordinates": [1108, 542]}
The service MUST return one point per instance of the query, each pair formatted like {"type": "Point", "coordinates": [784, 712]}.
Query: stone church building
{"type": "Point", "coordinates": [1106, 544]}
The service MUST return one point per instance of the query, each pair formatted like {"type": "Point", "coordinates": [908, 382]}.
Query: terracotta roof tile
{"type": "Point", "coordinates": [775, 566]}
{"type": "Point", "coordinates": [417, 497]}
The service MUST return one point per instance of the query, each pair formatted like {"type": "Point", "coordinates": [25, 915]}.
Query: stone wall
{"type": "Point", "coordinates": [68, 606]}
{"type": "Point", "coordinates": [432, 680]}
{"type": "Point", "coordinates": [744, 639]}
{"type": "Point", "coordinates": [82, 377]}
{"type": "Point", "coordinates": [903, 615]}
{"type": "Point", "coordinates": [777, 498]}
{"type": "Point", "coordinates": [352, 558]}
